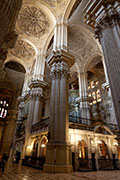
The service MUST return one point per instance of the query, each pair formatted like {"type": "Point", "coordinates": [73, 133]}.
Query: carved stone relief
{"type": "Point", "coordinates": [23, 50]}
{"type": "Point", "coordinates": [33, 22]}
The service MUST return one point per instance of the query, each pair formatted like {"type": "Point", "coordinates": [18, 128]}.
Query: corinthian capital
{"type": "Point", "coordinates": [59, 70]}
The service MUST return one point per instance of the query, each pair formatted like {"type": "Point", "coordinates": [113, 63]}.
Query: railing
{"type": "Point", "coordinates": [74, 122]}
{"type": "Point", "coordinates": [89, 124]}
{"type": "Point", "coordinates": [113, 127]}
{"type": "Point", "coordinates": [40, 125]}
{"type": "Point", "coordinates": [80, 120]}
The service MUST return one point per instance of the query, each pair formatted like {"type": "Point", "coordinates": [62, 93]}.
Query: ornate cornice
{"type": "Point", "coordinates": [102, 14]}
{"type": "Point", "coordinates": [38, 84]}
{"type": "Point", "coordinates": [59, 56]}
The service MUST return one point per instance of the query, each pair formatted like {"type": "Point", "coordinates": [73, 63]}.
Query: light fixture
{"type": "Point", "coordinates": [115, 144]}
{"type": "Point", "coordinates": [43, 145]}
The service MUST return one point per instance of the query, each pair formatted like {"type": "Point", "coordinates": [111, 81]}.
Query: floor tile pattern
{"type": "Point", "coordinates": [27, 173]}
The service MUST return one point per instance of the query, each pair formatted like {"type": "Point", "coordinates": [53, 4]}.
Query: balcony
{"type": "Point", "coordinates": [40, 126]}
{"type": "Point", "coordinates": [89, 124]}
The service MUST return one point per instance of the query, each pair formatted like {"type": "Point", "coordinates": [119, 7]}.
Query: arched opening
{"type": "Point", "coordinates": [10, 90]}
{"type": "Point", "coordinates": [98, 93]}
{"type": "Point", "coordinates": [102, 150]}
{"type": "Point", "coordinates": [35, 150]}
{"type": "Point", "coordinates": [43, 147]}
{"type": "Point", "coordinates": [15, 66]}
{"type": "Point", "coordinates": [82, 155]}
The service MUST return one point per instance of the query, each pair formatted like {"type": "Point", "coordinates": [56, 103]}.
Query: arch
{"type": "Point", "coordinates": [104, 127]}
{"type": "Point", "coordinates": [29, 42]}
{"type": "Point", "coordinates": [102, 149]}
{"type": "Point", "coordinates": [68, 10]}
{"type": "Point", "coordinates": [42, 146]}
{"type": "Point", "coordinates": [82, 149]}
{"type": "Point", "coordinates": [46, 44]}
{"type": "Point", "coordinates": [35, 148]}
{"type": "Point", "coordinates": [45, 8]}
{"type": "Point", "coordinates": [15, 66]}
{"type": "Point", "coordinates": [91, 59]}
{"type": "Point", "coordinates": [18, 61]}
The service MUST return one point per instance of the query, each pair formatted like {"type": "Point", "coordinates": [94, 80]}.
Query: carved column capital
{"type": "Point", "coordinates": [59, 56]}
{"type": "Point", "coordinates": [59, 70]}
{"type": "Point", "coordinates": [37, 88]}
{"type": "Point", "coordinates": [101, 15]}
{"type": "Point", "coordinates": [60, 61]}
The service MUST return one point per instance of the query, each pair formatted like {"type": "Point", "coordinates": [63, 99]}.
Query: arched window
{"type": "Point", "coordinates": [3, 108]}
{"type": "Point", "coordinates": [94, 92]}
{"type": "Point", "coordinates": [35, 149]}
{"type": "Point", "coordinates": [43, 147]}
{"type": "Point", "coordinates": [82, 149]}
{"type": "Point", "coordinates": [103, 150]}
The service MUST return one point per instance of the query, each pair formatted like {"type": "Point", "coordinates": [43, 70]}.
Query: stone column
{"type": "Point", "coordinates": [37, 87]}
{"type": "Point", "coordinates": [38, 106]}
{"type": "Point", "coordinates": [83, 96]}
{"type": "Point", "coordinates": [18, 126]}
{"type": "Point", "coordinates": [9, 131]}
{"type": "Point", "coordinates": [58, 149]}
{"type": "Point", "coordinates": [25, 86]}
{"type": "Point", "coordinates": [104, 17]}
{"type": "Point", "coordinates": [34, 112]}
{"type": "Point", "coordinates": [30, 110]}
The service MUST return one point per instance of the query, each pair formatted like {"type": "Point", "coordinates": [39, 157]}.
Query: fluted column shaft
{"type": "Point", "coordinates": [83, 96]}
{"type": "Point", "coordinates": [59, 102]}
{"type": "Point", "coordinates": [52, 108]}
{"type": "Point", "coordinates": [31, 110]}
{"type": "Point", "coordinates": [64, 103]}
{"type": "Point", "coordinates": [82, 84]}
{"type": "Point", "coordinates": [37, 107]}
{"type": "Point", "coordinates": [58, 149]}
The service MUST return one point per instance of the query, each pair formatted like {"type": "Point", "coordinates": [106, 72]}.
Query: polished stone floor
{"type": "Point", "coordinates": [26, 173]}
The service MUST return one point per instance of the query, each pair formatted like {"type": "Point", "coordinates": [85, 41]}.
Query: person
{"type": "Point", "coordinates": [14, 160]}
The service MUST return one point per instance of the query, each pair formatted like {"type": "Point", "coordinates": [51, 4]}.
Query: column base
{"type": "Point", "coordinates": [58, 159]}
{"type": "Point", "coordinates": [58, 168]}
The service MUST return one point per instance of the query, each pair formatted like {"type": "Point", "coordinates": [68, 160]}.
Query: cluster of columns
{"type": "Point", "coordinates": [104, 17]}
{"type": "Point", "coordinates": [58, 149]}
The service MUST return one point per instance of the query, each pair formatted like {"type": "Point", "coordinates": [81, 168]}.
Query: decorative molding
{"type": "Point", "coordinates": [38, 84]}
{"type": "Point", "coordinates": [59, 70]}
{"type": "Point", "coordinates": [23, 50]}
{"type": "Point", "coordinates": [60, 55]}
{"type": "Point", "coordinates": [33, 22]}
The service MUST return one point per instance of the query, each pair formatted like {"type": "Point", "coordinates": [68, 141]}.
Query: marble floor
{"type": "Point", "coordinates": [27, 173]}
